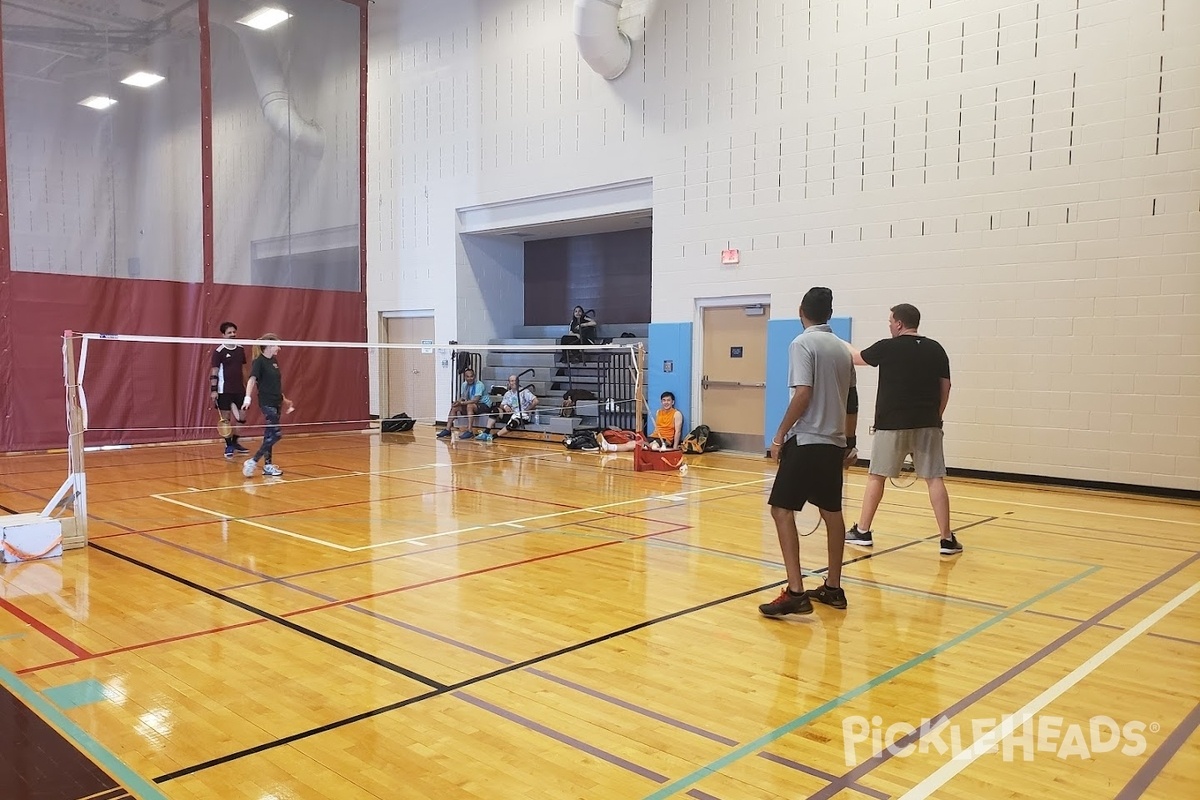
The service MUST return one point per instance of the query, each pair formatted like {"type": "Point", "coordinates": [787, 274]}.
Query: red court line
{"type": "Point", "coordinates": [140, 646]}
{"type": "Point", "coordinates": [44, 629]}
{"type": "Point", "coordinates": [472, 573]}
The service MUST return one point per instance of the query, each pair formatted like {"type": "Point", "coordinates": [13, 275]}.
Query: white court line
{"type": "Point", "coordinates": [253, 524]}
{"type": "Point", "coordinates": [588, 510]}
{"type": "Point", "coordinates": [939, 777]}
{"type": "Point", "coordinates": [956, 496]}
{"type": "Point", "coordinates": [289, 481]}
{"type": "Point", "coordinates": [420, 540]}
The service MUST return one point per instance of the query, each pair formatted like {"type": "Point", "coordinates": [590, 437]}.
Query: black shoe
{"type": "Point", "coordinates": [787, 603]}
{"type": "Point", "coordinates": [950, 547]}
{"type": "Point", "coordinates": [860, 538]}
{"type": "Point", "coordinates": [828, 595]}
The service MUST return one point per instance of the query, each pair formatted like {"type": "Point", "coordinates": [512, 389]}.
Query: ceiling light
{"type": "Point", "coordinates": [142, 79]}
{"type": "Point", "coordinates": [98, 102]}
{"type": "Point", "coordinates": [265, 18]}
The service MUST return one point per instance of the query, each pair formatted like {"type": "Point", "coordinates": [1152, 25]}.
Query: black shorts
{"type": "Point", "coordinates": [227, 400]}
{"type": "Point", "coordinates": [808, 473]}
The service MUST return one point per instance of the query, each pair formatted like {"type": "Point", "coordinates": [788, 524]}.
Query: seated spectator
{"type": "Point", "coordinates": [583, 331]}
{"type": "Point", "coordinates": [516, 409]}
{"type": "Point", "coordinates": [472, 401]}
{"type": "Point", "coordinates": [667, 433]}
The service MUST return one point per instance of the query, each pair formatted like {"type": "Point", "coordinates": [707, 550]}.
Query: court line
{"type": "Point", "coordinates": [1067, 509]}
{"type": "Point", "coordinates": [44, 629]}
{"type": "Point", "coordinates": [104, 757]}
{"type": "Point", "coordinates": [553, 515]}
{"type": "Point", "coordinates": [995, 683]}
{"type": "Point", "coordinates": [772, 736]}
{"type": "Point", "coordinates": [220, 760]}
{"type": "Point", "coordinates": [360, 474]}
{"type": "Point", "coordinates": [1142, 779]}
{"type": "Point", "coordinates": [320, 637]}
{"type": "Point", "coordinates": [253, 524]}
{"type": "Point", "coordinates": [167, 497]}
{"type": "Point", "coordinates": [966, 757]}
{"type": "Point", "coordinates": [138, 646]}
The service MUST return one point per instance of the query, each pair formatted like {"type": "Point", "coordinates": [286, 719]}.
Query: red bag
{"type": "Point", "coordinates": [647, 460]}
{"type": "Point", "coordinates": [614, 436]}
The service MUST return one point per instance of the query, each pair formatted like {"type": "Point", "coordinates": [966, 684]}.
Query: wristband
{"type": "Point", "coordinates": [777, 443]}
{"type": "Point", "coordinates": [851, 441]}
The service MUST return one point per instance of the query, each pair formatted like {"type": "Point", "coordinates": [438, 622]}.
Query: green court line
{"type": "Point", "coordinates": [82, 740]}
{"type": "Point", "coordinates": [767, 738]}
{"type": "Point", "coordinates": [867, 584]}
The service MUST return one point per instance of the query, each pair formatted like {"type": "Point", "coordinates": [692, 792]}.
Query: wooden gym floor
{"type": "Point", "coordinates": [411, 618]}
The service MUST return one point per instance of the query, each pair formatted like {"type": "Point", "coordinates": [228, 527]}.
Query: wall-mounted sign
{"type": "Point", "coordinates": [735, 352]}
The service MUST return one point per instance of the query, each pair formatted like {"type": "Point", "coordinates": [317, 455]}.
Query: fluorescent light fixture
{"type": "Point", "coordinates": [98, 102]}
{"type": "Point", "coordinates": [265, 17]}
{"type": "Point", "coordinates": [142, 80]}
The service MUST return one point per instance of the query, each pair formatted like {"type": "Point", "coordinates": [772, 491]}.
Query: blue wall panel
{"type": "Point", "coordinates": [670, 341]}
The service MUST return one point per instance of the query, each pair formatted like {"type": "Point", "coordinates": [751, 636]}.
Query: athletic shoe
{"type": "Point", "coordinates": [466, 435]}
{"type": "Point", "coordinates": [239, 448]}
{"type": "Point", "coordinates": [444, 433]}
{"type": "Point", "coordinates": [828, 595]}
{"type": "Point", "coordinates": [950, 547]}
{"type": "Point", "coordinates": [787, 603]}
{"type": "Point", "coordinates": [229, 451]}
{"type": "Point", "coordinates": [485, 437]}
{"type": "Point", "coordinates": [249, 467]}
{"type": "Point", "coordinates": [859, 538]}
{"type": "Point", "coordinates": [272, 470]}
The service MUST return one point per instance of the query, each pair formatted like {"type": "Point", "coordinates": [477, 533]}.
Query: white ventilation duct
{"type": "Point", "coordinates": [273, 95]}
{"type": "Point", "coordinates": [601, 43]}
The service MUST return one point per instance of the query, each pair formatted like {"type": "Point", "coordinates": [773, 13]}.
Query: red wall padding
{"type": "Point", "coordinates": [133, 386]}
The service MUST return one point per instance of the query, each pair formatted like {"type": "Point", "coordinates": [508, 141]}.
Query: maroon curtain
{"type": "Point", "coordinates": [141, 219]}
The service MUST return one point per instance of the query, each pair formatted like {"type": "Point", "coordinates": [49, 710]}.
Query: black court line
{"type": "Point", "coordinates": [441, 690]}
{"type": "Point", "coordinates": [320, 637]}
{"type": "Point", "coordinates": [8, 510]}
{"type": "Point", "coordinates": [455, 687]}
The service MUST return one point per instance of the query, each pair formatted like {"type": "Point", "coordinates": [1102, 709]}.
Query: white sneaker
{"type": "Point", "coordinates": [249, 467]}
{"type": "Point", "coordinates": [272, 470]}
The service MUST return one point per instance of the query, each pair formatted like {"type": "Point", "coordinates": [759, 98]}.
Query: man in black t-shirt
{"type": "Point", "coordinates": [227, 385]}
{"type": "Point", "coordinates": [914, 387]}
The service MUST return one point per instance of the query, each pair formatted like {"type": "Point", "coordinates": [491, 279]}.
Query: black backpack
{"type": "Point", "coordinates": [700, 440]}
{"type": "Point", "coordinates": [582, 440]}
{"type": "Point", "coordinates": [398, 424]}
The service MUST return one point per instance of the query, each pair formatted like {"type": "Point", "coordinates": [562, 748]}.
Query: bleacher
{"type": "Point", "coordinates": [551, 379]}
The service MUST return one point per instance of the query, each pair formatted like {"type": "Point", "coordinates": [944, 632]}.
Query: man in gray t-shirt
{"type": "Point", "coordinates": [812, 447]}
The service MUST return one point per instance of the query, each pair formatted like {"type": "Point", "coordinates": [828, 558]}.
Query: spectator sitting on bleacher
{"type": "Point", "coordinates": [472, 401]}
{"type": "Point", "coordinates": [516, 408]}
{"type": "Point", "coordinates": [667, 433]}
{"type": "Point", "coordinates": [583, 331]}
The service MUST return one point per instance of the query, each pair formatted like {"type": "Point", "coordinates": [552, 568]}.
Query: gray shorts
{"type": "Point", "coordinates": [889, 448]}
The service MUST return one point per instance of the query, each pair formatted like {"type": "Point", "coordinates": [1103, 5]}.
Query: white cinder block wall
{"type": "Point", "coordinates": [1027, 172]}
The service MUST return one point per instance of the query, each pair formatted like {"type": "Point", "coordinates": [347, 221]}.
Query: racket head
{"type": "Point", "coordinates": [224, 428]}
{"type": "Point", "coordinates": [907, 476]}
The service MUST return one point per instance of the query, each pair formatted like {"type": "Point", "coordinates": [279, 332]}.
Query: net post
{"type": "Point", "coordinates": [639, 389]}
{"type": "Point", "coordinates": [74, 490]}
